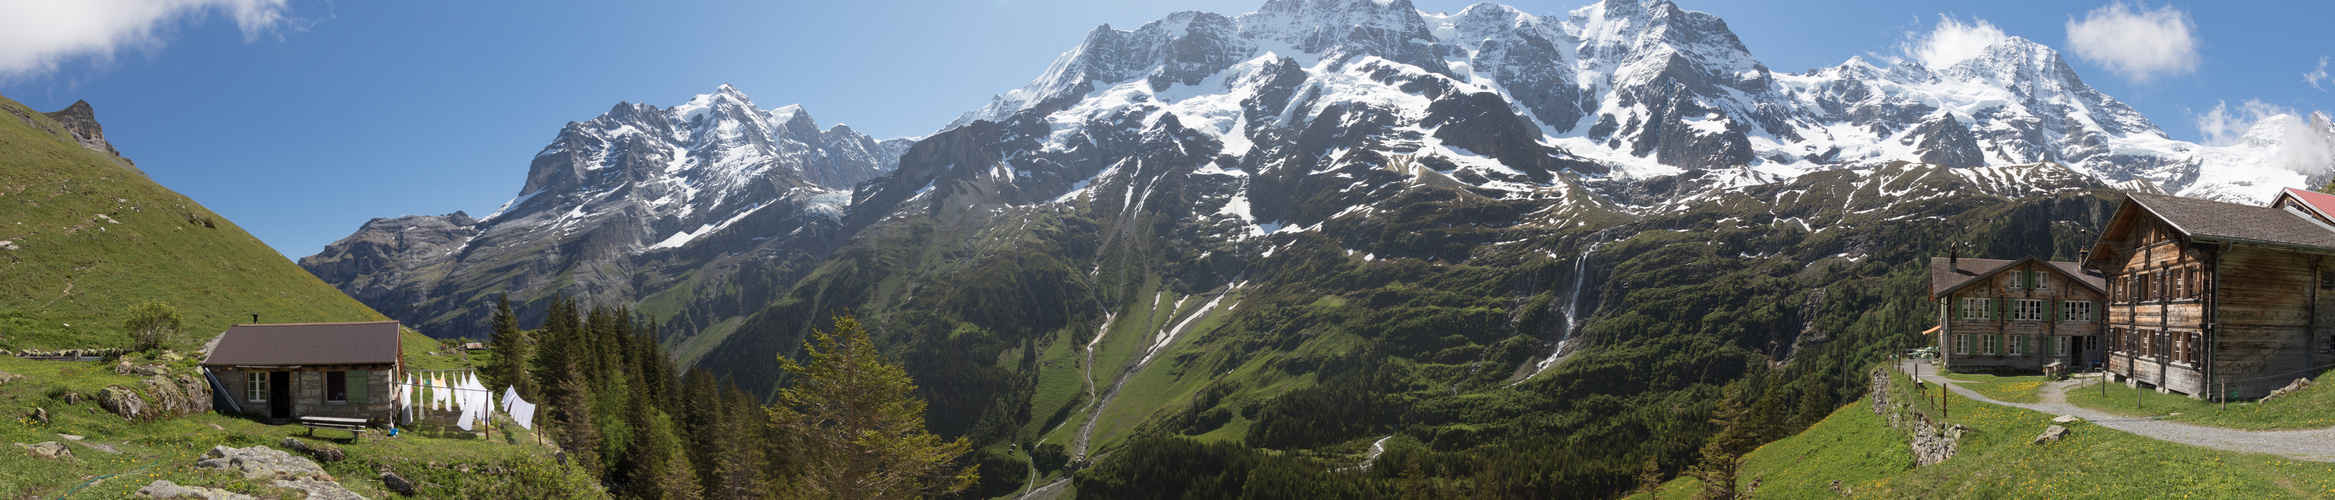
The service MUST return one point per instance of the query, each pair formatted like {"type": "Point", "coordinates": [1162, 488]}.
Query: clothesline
{"type": "Point", "coordinates": [488, 391]}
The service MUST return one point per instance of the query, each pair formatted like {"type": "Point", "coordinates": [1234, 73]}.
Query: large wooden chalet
{"type": "Point", "coordinates": [2205, 295]}
{"type": "Point", "coordinates": [285, 371]}
{"type": "Point", "coordinates": [2015, 315]}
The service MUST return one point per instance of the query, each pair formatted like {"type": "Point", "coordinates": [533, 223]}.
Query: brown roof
{"type": "Point", "coordinates": [1946, 275]}
{"type": "Point", "coordinates": [307, 344]}
{"type": "Point", "coordinates": [2214, 221]}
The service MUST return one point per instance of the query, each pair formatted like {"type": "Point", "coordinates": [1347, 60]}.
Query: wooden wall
{"type": "Point", "coordinates": [2268, 303]}
{"type": "Point", "coordinates": [2056, 287]}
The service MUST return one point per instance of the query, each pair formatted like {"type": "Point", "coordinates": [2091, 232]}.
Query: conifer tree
{"type": "Point", "coordinates": [862, 431]}
{"type": "Point", "coordinates": [556, 354]}
{"type": "Point", "coordinates": [1650, 477]}
{"type": "Point", "coordinates": [573, 413]}
{"type": "Point", "coordinates": [1723, 453]}
{"type": "Point", "coordinates": [511, 349]}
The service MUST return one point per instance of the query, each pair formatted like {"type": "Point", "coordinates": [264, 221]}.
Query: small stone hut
{"type": "Point", "coordinates": [285, 371]}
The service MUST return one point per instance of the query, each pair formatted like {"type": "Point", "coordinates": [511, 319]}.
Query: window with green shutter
{"type": "Point", "coordinates": [358, 381]}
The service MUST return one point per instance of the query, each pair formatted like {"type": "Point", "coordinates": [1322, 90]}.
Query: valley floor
{"type": "Point", "coordinates": [2317, 445]}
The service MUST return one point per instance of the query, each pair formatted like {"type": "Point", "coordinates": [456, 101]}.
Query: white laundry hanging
{"type": "Point", "coordinates": [522, 412]}
{"type": "Point", "coordinates": [406, 392]}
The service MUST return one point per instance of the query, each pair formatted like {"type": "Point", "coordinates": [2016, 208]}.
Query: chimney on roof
{"type": "Point", "coordinates": [1953, 257]}
{"type": "Point", "coordinates": [2083, 256]}
{"type": "Point", "coordinates": [255, 318]}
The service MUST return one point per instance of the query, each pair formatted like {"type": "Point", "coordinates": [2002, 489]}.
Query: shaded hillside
{"type": "Point", "coordinates": [84, 235]}
{"type": "Point", "coordinates": [1432, 316]}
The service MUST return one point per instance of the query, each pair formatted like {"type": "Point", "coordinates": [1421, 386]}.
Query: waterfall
{"type": "Point", "coordinates": [1572, 314]}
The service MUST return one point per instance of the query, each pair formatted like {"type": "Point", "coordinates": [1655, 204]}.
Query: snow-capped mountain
{"type": "Point", "coordinates": [637, 188]}
{"type": "Point", "coordinates": [1645, 89]}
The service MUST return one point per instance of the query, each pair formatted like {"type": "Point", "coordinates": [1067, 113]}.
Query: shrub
{"type": "Point", "coordinates": [152, 325]}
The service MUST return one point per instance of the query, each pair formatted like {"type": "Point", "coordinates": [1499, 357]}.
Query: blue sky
{"type": "Point", "coordinates": [300, 119]}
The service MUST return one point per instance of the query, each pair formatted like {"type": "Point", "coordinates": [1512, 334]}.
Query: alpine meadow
{"type": "Point", "coordinates": [1320, 249]}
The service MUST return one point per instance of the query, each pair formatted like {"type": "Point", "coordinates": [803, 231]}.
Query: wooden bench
{"type": "Point", "coordinates": [355, 426]}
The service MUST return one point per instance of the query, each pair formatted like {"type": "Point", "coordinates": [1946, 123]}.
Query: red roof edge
{"type": "Point", "coordinates": [2322, 202]}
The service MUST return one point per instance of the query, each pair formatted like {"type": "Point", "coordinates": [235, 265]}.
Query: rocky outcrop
{"type": "Point", "coordinates": [47, 449]}
{"type": "Point", "coordinates": [323, 452]}
{"type": "Point", "coordinates": [2052, 433]}
{"type": "Point", "coordinates": [160, 395]}
{"type": "Point", "coordinates": [164, 489]}
{"type": "Point", "coordinates": [122, 401]}
{"type": "Point", "coordinates": [287, 470]}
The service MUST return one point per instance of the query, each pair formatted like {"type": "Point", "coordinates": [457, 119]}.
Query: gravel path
{"type": "Point", "coordinates": [2317, 445]}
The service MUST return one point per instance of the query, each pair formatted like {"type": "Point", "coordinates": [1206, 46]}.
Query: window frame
{"type": "Point", "coordinates": [2015, 345]}
{"type": "Point", "coordinates": [1975, 308]}
{"type": "Point", "coordinates": [336, 380]}
{"type": "Point", "coordinates": [2030, 310]}
{"type": "Point", "coordinates": [2077, 311]}
{"type": "Point", "coordinates": [1989, 345]}
{"type": "Point", "coordinates": [255, 387]}
{"type": "Point", "coordinates": [1962, 344]}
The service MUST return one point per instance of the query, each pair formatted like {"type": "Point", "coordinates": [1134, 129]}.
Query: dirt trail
{"type": "Point", "coordinates": [2317, 445]}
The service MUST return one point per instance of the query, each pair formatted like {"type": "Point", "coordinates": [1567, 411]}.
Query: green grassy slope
{"type": "Point", "coordinates": [86, 238]}
{"type": "Point", "coordinates": [1998, 460]}
{"type": "Point", "coordinates": [2313, 407]}
{"type": "Point", "coordinates": [446, 464]}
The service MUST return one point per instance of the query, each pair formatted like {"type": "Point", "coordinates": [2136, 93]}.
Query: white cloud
{"type": "Point", "coordinates": [2294, 142]}
{"type": "Point", "coordinates": [2138, 43]}
{"type": "Point", "coordinates": [37, 35]}
{"type": "Point", "coordinates": [2319, 76]}
{"type": "Point", "coordinates": [1951, 42]}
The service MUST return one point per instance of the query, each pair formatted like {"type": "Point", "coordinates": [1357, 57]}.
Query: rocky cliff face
{"type": "Point", "coordinates": [1303, 114]}
{"type": "Point", "coordinates": [635, 202]}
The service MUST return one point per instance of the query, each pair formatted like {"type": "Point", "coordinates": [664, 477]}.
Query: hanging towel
{"type": "Point", "coordinates": [405, 391]}
{"type": "Point", "coordinates": [522, 412]}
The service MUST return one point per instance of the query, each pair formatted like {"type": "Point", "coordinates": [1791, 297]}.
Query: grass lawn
{"type": "Point", "coordinates": [447, 464]}
{"type": "Point", "coordinates": [2309, 408]}
{"type": "Point", "coordinates": [1998, 460]}
{"type": "Point", "coordinates": [2009, 388]}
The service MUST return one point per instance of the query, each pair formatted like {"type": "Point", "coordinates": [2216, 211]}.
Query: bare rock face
{"type": "Point", "coordinates": [122, 401]}
{"type": "Point", "coordinates": [80, 121]}
{"type": "Point", "coordinates": [288, 470]}
{"type": "Point", "coordinates": [6, 377]}
{"type": "Point", "coordinates": [40, 414]}
{"type": "Point", "coordinates": [163, 488]}
{"type": "Point", "coordinates": [47, 449]}
{"type": "Point", "coordinates": [198, 394]}
{"type": "Point", "coordinates": [169, 401]}
{"type": "Point", "coordinates": [259, 462]}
